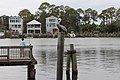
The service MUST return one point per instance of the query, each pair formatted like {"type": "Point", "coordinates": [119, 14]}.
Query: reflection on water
{"type": "Point", "coordinates": [99, 64]}
{"type": "Point", "coordinates": [97, 58]}
{"type": "Point", "coordinates": [46, 64]}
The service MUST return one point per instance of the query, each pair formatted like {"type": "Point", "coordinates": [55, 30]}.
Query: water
{"type": "Point", "coordinates": [97, 58]}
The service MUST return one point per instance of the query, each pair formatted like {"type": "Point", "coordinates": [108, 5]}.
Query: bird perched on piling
{"type": "Point", "coordinates": [61, 27]}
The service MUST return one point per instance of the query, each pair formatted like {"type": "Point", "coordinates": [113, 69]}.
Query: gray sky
{"type": "Point", "coordinates": [13, 7]}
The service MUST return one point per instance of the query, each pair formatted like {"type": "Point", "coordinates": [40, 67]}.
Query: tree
{"type": "Point", "coordinates": [72, 18]}
{"type": "Point", "coordinates": [42, 13]}
{"type": "Point", "coordinates": [118, 14]}
{"type": "Point", "coordinates": [87, 16]}
{"type": "Point", "coordinates": [90, 16]}
{"type": "Point", "coordinates": [81, 14]}
{"type": "Point", "coordinates": [88, 27]}
{"type": "Point", "coordinates": [4, 23]}
{"type": "Point", "coordinates": [27, 16]}
{"type": "Point", "coordinates": [102, 17]}
{"type": "Point", "coordinates": [112, 14]}
{"type": "Point", "coordinates": [94, 16]}
{"type": "Point", "coordinates": [44, 7]}
{"type": "Point", "coordinates": [57, 11]}
{"type": "Point", "coordinates": [108, 15]}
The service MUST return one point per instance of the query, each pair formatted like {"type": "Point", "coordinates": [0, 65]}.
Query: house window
{"type": "Point", "coordinates": [37, 26]}
{"type": "Point", "coordinates": [52, 24]}
{"type": "Point", "coordinates": [51, 20]}
{"type": "Point", "coordinates": [17, 21]}
{"type": "Point", "coordinates": [37, 31]}
{"type": "Point", "coordinates": [12, 20]}
{"type": "Point", "coordinates": [15, 26]}
{"type": "Point", "coordinates": [28, 26]}
{"type": "Point", "coordinates": [12, 26]}
{"type": "Point", "coordinates": [32, 26]}
{"type": "Point", "coordinates": [47, 25]}
{"type": "Point", "coordinates": [13, 30]}
{"type": "Point", "coordinates": [19, 26]}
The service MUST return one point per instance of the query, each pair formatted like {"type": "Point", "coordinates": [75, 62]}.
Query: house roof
{"type": "Point", "coordinates": [33, 22]}
{"type": "Point", "coordinates": [52, 17]}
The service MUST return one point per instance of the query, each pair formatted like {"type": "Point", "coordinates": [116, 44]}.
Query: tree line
{"type": "Point", "coordinates": [77, 20]}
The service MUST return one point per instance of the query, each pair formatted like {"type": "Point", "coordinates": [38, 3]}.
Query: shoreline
{"type": "Point", "coordinates": [82, 35]}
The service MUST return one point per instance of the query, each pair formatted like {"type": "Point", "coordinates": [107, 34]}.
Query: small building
{"type": "Point", "coordinates": [51, 24]}
{"type": "Point", "coordinates": [33, 27]}
{"type": "Point", "coordinates": [16, 24]}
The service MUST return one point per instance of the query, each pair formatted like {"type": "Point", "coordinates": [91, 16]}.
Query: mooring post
{"type": "Point", "coordinates": [71, 55]}
{"type": "Point", "coordinates": [60, 51]}
{"type": "Point", "coordinates": [68, 67]}
{"type": "Point", "coordinates": [74, 63]}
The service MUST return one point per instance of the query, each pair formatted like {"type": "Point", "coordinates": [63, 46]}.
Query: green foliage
{"type": "Point", "coordinates": [74, 20]}
{"type": "Point", "coordinates": [42, 19]}
{"type": "Point", "coordinates": [88, 28]}
{"type": "Point", "coordinates": [27, 16]}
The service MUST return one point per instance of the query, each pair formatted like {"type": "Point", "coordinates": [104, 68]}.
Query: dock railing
{"type": "Point", "coordinates": [16, 53]}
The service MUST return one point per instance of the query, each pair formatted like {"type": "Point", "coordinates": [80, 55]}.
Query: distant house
{"type": "Point", "coordinates": [33, 27]}
{"type": "Point", "coordinates": [16, 24]}
{"type": "Point", "coordinates": [51, 24]}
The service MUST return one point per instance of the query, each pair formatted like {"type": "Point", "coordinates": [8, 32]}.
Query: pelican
{"type": "Point", "coordinates": [61, 27]}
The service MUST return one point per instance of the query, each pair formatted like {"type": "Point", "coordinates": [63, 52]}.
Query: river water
{"type": "Point", "coordinates": [97, 59]}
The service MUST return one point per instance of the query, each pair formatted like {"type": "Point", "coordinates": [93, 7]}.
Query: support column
{"type": "Point", "coordinates": [31, 72]}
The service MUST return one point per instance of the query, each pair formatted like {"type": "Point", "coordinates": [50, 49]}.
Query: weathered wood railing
{"type": "Point", "coordinates": [15, 52]}
{"type": "Point", "coordinates": [18, 55]}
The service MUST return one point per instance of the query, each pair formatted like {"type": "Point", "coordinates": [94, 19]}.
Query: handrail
{"type": "Point", "coordinates": [16, 52]}
{"type": "Point", "coordinates": [16, 46]}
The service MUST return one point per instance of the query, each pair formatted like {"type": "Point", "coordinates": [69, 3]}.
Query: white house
{"type": "Point", "coordinates": [16, 24]}
{"type": "Point", "coordinates": [51, 24]}
{"type": "Point", "coordinates": [33, 27]}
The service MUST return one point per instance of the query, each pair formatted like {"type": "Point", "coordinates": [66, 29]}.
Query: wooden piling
{"type": "Point", "coordinates": [68, 67]}
{"type": "Point", "coordinates": [8, 54]}
{"type": "Point", "coordinates": [71, 55]}
{"type": "Point", "coordinates": [60, 51]}
{"type": "Point", "coordinates": [74, 67]}
{"type": "Point", "coordinates": [31, 66]}
{"type": "Point", "coordinates": [31, 72]}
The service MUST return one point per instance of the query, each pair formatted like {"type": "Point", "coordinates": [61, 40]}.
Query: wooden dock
{"type": "Point", "coordinates": [18, 56]}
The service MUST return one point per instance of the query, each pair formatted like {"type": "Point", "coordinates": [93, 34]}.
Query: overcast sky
{"type": "Point", "coordinates": [13, 7]}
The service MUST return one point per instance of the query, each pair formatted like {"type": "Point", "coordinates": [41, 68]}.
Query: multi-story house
{"type": "Point", "coordinates": [51, 24]}
{"type": "Point", "coordinates": [16, 24]}
{"type": "Point", "coordinates": [33, 27]}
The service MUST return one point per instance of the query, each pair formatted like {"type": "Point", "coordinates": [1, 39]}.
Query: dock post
{"type": "Point", "coordinates": [68, 67]}
{"type": "Point", "coordinates": [71, 55]}
{"type": "Point", "coordinates": [8, 54]}
{"type": "Point", "coordinates": [31, 66]}
{"type": "Point", "coordinates": [74, 63]}
{"type": "Point", "coordinates": [31, 72]}
{"type": "Point", "coordinates": [60, 51]}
